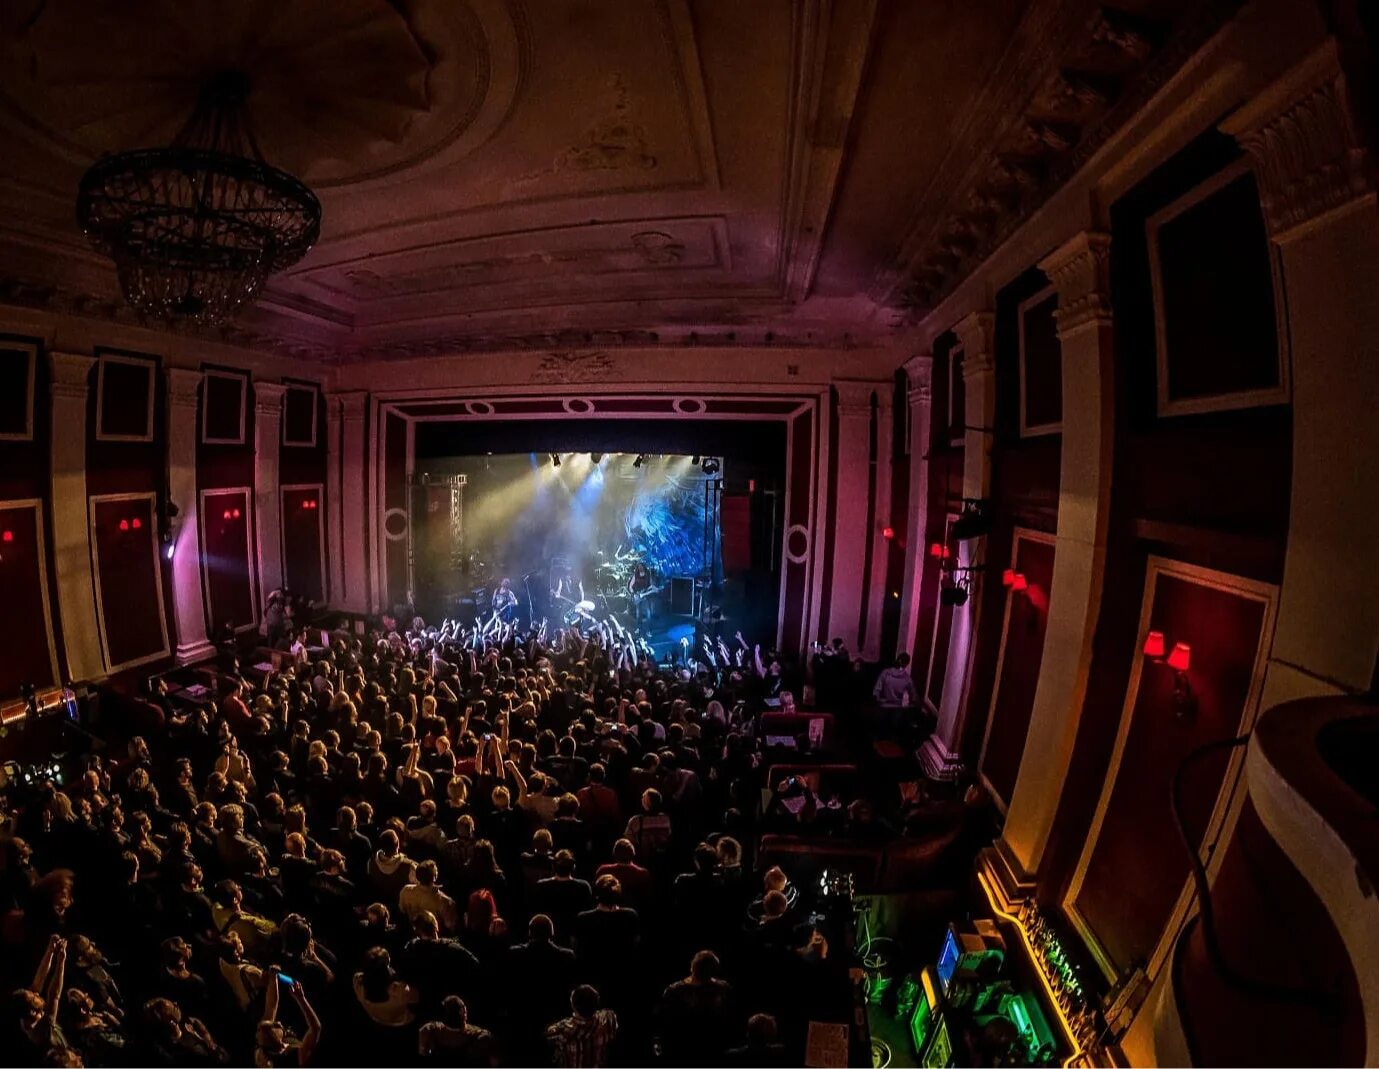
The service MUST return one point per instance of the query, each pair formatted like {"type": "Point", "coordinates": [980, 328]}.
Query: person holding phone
{"type": "Point", "coordinates": [274, 1045]}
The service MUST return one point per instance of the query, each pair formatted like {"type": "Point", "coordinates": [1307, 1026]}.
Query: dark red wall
{"type": "Point", "coordinates": [1209, 489]}
{"type": "Point", "coordinates": [1024, 651]}
{"type": "Point", "coordinates": [124, 536]}
{"type": "Point", "coordinates": [303, 548]}
{"type": "Point", "coordinates": [395, 488]}
{"type": "Point", "coordinates": [1138, 866]}
{"type": "Point", "coordinates": [24, 655]}
{"type": "Point", "coordinates": [1024, 492]}
{"type": "Point", "coordinates": [225, 541]}
{"type": "Point", "coordinates": [123, 467]}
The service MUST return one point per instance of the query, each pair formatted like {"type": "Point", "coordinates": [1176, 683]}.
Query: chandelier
{"type": "Point", "coordinates": [196, 228]}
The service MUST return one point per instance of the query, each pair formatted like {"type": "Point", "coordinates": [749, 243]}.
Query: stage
{"type": "Point", "coordinates": [577, 539]}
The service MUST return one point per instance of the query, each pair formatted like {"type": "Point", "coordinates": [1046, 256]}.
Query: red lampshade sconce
{"type": "Point", "coordinates": [1179, 661]}
{"type": "Point", "coordinates": [1013, 580]}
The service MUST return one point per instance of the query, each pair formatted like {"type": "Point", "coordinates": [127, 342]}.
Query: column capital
{"type": "Point", "coordinates": [854, 397]}
{"type": "Point", "coordinates": [268, 398]}
{"type": "Point", "coordinates": [183, 386]}
{"type": "Point", "coordinates": [352, 403]}
{"type": "Point", "coordinates": [70, 373]}
{"type": "Point", "coordinates": [977, 334]}
{"type": "Point", "coordinates": [919, 370]}
{"type": "Point", "coordinates": [1301, 139]}
{"type": "Point", "coordinates": [1080, 270]}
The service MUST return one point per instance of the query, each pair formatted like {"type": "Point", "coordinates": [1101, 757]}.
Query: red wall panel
{"type": "Point", "coordinates": [395, 496]}
{"type": "Point", "coordinates": [226, 524]}
{"type": "Point", "coordinates": [1024, 652]}
{"type": "Point", "coordinates": [1137, 867]}
{"type": "Point", "coordinates": [124, 536]}
{"type": "Point", "coordinates": [25, 655]}
{"type": "Point", "coordinates": [302, 545]}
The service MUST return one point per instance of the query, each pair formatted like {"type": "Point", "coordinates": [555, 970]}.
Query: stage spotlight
{"type": "Point", "coordinates": [555, 460]}
{"type": "Point", "coordinates": [953, 595]}
{"type": "Point", "coordinates": [641, 459]}
{"type": "Point", "coordinates": [974, 522]}
{"type": "Point", "coordinates": [596, 457]}
{"type": "Point", "coordinates": [711, 465]}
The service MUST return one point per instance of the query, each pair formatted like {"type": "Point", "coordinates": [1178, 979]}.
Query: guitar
{"type": "Point", "coordinates": [639, 596]}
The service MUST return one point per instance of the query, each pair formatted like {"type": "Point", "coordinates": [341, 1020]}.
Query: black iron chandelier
{"type": "Point", "coordinates": [196, 228]}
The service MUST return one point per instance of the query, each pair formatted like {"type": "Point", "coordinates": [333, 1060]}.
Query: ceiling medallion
{"type": "Point", "coordinates": [197, 227]}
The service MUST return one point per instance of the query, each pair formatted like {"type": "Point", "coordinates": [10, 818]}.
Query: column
{"type": "Point", "coordinates": [188, 597]}
{"type": "Point", "coordinates": [76, 592]}
{"type": "Point", "coordinates": [354, 476]}
{"type": "Point", "coordinates": [847, 597]}
{"type": "Point", "coordinates": [881, 514]}
{"type": "Point", "coordinates": [1079, 271]}
{"type": "Point", "coordinates": [919, 371]}
{"type": "Point", "coordinates": [335, 564]}
{"type": "Point", "coordinates": [976, 333]}
{"type": "Point", "coordinates": [1319, 206]}
{"type": "Point", "coordinates": [268, 404]}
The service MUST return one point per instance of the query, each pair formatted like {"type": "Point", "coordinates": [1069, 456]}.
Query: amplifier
{"type": "Point", "coordinates": [682, 596]}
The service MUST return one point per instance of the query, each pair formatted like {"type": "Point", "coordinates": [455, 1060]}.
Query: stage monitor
{"type": "Point", "coordinates": [948, 958]}
{"type": "Point", "coordinates": [926, 1011]}
{"type": "Point", "coordinates": [964, 952]}
{"type": "Point", "coordinates": [940, 1052]}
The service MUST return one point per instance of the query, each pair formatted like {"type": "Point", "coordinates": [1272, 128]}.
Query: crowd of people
{"type": "Point", "coordinates": [472, 846]}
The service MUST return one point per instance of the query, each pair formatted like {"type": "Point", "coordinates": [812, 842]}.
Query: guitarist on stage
{"type": "Point", "coordinates": [640, 584]}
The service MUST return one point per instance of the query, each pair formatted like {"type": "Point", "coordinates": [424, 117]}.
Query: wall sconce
{"type": "Point", "coordinates": [1179, 661]}
{"type": "Point", "coordinates": [1013, 580]}
{"type": "Point", "coordinates": [888, 532]}
{"type": "Point", "coordinates": [124, 525]}
{"type": "Point", "coordinates": [8, 536]}
{"type": "Point", "coordinates": [939, 551]}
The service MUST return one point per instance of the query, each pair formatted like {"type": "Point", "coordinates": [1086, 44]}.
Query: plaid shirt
{"type": "Point", "coordinates": [582, 1042]}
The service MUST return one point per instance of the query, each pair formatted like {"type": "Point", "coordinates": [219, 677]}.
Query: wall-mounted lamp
{"type": "Point", "coordinates": [939, 551]}
{"type": "Point", "coordinates": [1014, 580]}
{"type": "Point", "coordinates": [888, 532]}
{"type": "Point", "coordinates": [1179, 661]}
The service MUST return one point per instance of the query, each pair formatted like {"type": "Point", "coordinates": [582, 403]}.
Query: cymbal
{"type": "Point", "coordinates": [584, 606]}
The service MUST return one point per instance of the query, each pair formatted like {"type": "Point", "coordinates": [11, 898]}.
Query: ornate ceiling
{"type": "Point", "coordinates": [513, 173]}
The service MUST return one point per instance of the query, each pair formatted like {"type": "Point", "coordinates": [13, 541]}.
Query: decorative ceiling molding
{"type": "Point", "coordinates": [340, 93]}
{"type": "Point", "coordinates": [1078, 73]}
{"type": "Point", "coordinates": [830, 42]}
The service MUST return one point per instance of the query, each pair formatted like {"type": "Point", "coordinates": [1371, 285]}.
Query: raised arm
{"type": "Point", "coordinates": [313, 1026]}
{"type": "Point", "coordinates": [40, 980]}
{"type": "Point", "coordinates": [519, 779]}
{"type": "Point", "coordinates": [756, 656]}
{"type": "Point", "coordinates": [52, 997]}
{"type": "Point", "coordinates": [270, 997]}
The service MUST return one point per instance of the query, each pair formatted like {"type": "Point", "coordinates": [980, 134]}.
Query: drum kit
{"type": "Point", "coordinates": [611, 576]}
